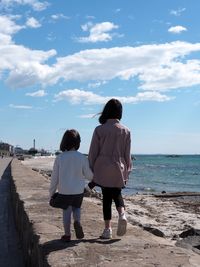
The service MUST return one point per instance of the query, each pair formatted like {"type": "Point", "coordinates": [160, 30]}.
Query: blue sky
{"type": "Point", "coordinates": [62, 60]}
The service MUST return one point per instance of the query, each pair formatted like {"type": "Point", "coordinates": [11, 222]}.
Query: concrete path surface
{"type": "Point", "coordinates": [138, 248]}
{"type": "Point", "coordinates": [10, 251]}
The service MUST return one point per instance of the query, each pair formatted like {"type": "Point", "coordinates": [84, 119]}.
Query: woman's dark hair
{"type": "Point", "coordinates": [71, 139]}
{"type": "Point", "coordinates": [111, 110]}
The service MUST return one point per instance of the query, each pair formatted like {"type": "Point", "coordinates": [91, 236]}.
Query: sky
{"type": "Point", "coordinates": [61, 61]}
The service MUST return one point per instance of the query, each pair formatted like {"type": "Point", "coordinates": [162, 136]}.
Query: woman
{"type": "Point", "coordinates": [110, 160]}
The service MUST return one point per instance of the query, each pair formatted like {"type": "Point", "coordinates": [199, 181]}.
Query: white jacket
{"type": "Point", "coordinates": [69, 171]}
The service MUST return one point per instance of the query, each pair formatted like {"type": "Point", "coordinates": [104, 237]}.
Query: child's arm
{"type": "Point", "coordinates": [54, 178]}
{"type": "Point", "coordinates": [88, 174]}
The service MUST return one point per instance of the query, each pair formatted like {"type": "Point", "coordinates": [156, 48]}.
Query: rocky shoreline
{"type": "Point", "coordinates": [175, 217]}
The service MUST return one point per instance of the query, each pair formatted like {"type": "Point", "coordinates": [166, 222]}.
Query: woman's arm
{"type": "Point", "coordinates": [127, 155]}
{"type": "Point", "coordinates": [94, 150]}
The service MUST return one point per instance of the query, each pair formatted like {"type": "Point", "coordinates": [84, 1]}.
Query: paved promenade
{"type": "Point", "coordinates": [10, 252]}
{"type": "Point", "coordinates": [137, 248]}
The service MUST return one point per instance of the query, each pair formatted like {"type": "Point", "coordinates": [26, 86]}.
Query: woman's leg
{"type": "Point", "coordinates": [119, 202]}
{"type": "Point", "coordinates": [107, 213]}
{"type": "Point", "coordinates": [118, 199]}
{"type": "Point", "coordinates": [67, 220]}
{"type": "Point", "coordinates": [107, 207]}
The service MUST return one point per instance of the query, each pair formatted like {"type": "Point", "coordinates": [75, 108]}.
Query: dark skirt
{"type": "Point", "coordinates": [63, 201]}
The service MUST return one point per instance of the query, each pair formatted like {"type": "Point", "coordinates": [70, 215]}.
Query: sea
{"type": "Point", "coordinates": [151, 173]}
{"type": "Point", "coordinates": [169, 173]}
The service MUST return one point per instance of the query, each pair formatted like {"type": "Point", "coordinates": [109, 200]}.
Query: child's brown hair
{"type": "Point", "coordinates": [71, 139]}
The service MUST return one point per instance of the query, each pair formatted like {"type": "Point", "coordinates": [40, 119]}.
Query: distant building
{"type": "Point", "coordinates": [32, 151]}
{"type": "Point", "coordinates": [6, 149]}
{"type": "Point", "coordinates": [18, 150]}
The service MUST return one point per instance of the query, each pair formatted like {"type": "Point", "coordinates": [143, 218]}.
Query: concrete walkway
{"type": "Point", "coordinates": [138, 248]}
{"type": "Point", "coordinates": [10, 251]}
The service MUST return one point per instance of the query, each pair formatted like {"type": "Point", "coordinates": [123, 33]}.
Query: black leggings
{"type": "Point", "coordinates": [110, 194]}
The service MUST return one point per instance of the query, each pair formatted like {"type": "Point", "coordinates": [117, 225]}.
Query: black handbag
{"type": "Point", "coordinates": [61, 201]}
{"type": "Point", "coordinates": [57, 201]}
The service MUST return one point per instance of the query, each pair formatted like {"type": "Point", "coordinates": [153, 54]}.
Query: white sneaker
{"type": "Point", "coordinates": [122, 224]}
{"type": "Point", "coordinates": [107, 234]}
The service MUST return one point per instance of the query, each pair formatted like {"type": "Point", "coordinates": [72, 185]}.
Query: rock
{"type": "Point", "coordinates": [190, 232]}
{"type": "Point", "coordinates": [190, 242]}
{"type": "Point", "coordinates": [154, 231]}
{"type": "Point", "coordinates": [35, 169]}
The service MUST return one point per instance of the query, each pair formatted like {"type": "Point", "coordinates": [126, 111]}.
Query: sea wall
{"type": "Point", "coordinates": [24, 185]}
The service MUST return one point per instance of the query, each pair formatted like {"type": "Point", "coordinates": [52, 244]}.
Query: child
{"type": "Point", "coordinates": [69, 170]}
{"type": "Point", "coordinates": [110, 160]}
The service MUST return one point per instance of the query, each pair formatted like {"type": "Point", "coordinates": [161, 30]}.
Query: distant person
{"type": "Point", "coordinates": [69, 171]}
{"type": "Point", "coordinates": [110, 160]}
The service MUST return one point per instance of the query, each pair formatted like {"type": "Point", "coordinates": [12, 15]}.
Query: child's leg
{"type": "Point", "coordinates": [77, 223]}
{"type": "Point", "coordinates": [67, 220]}
{"type": "Point", "coordinates": [76, 214]}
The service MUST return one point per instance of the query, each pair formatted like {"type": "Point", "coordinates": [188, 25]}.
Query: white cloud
{"type": "Point", "coordinates": [8, 26]}
{"type": "Point", "coordinates": [23, 65]}
{"type": "Point", "coordinates": [89, 17]}
{"type": "Point", "coordinates": [5, 39]}
{"type": "Point", "coordinates": [177, 29]}
{"type": "Point", "coordinates": [26, 66]}
{"type": "Point", "coordinates": [117, 10]}
{"type": "Point", "coordinates": [96, 84]}
{"type": "Point", "coordinates": [39, 93]}
{"type": "Point", "coordinates": [87, 26]}
{"type": "Point", "coordinates": [156, 67]}
{"type": "Point", "coordinates": [35, 4]}
{"type": "Point", "coordinates": [99, 32]}
{"type": "Point", "coordinates": [33, 23]}
{"type": "Point", "coordinates": [59, 16]}
{"type": "Point", "coordinates": [20, 106]}
{"type": "Point", "coordinates": [87, 116]}
{"type": "Point", "coordinates": [76, 96]}
{"type": "Point", "coordinates": [178, 75]}
{"type": "Point", "coordinates": [177, 12]}
{"type": "Point", "coordinates": [51, 37]}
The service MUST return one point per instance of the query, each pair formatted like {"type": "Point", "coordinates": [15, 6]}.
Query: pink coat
{"type": "Point", "coordinates": [109, 154]}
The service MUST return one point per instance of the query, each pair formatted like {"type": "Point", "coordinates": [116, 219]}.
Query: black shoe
{"type": "Point", "coordinates": [78, 230]}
